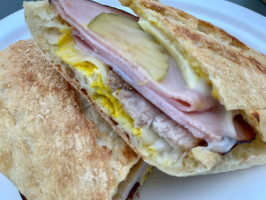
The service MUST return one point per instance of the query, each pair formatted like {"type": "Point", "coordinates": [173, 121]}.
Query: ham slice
{"type": "Point", "coordinates": [172, 89]}
{"type": "Point", "coordinates": [199, 113]}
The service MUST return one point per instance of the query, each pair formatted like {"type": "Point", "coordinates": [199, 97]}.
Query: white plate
{"type": "Point", "coordinates": [247, 184]}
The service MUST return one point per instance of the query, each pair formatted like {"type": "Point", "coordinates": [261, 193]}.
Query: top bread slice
{"type": "Point", "coordinates": [48, 148]}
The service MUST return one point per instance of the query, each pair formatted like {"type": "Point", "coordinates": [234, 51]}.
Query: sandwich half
{"type": "Point", "coordinates": [53, 144]}
{"type": "Point", "coordinates": [185, 95]}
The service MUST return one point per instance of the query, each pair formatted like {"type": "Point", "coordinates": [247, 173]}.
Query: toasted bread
{"type": "Point", "coordinates": [50, 148]}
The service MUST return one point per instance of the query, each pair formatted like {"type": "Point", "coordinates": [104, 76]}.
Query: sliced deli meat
{"type": "Point", "coordinates": [198, 113]}
{"type": "Point", "coordinates": [172, 89]}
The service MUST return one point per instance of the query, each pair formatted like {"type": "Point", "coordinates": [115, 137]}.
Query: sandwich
{"type": "Point", "coordinates": [185, 95]}
{"type": "Point", "coordinates": [53, 144]}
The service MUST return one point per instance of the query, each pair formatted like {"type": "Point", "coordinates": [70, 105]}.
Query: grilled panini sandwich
{"type": "Point", "coordinates": [185, 95]}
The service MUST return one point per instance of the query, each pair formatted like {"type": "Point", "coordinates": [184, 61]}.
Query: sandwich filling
{"type": "Point", "coordinates": [171, 101]}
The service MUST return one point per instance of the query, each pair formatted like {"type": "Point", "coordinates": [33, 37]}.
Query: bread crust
{"type": "Point", "coordinates": [48, 148]}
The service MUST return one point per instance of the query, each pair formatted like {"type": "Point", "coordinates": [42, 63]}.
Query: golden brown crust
{"type": "Point", "coordinates": [237, 72]}
{"type": "Point", "coordinates": [49, 150]}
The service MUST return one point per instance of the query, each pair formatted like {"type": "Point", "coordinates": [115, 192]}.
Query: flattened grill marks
{"type": "Point", "coordinates": [204, 43]}
{"type": "Point", "coordinates": [197, 30]}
